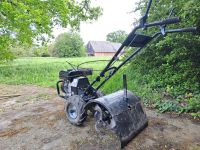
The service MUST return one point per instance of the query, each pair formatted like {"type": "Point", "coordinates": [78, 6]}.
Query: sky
{"type": "Point", "coordinates": [116, 16]}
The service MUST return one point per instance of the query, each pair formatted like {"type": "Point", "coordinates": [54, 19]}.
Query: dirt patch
{"type": "Point", "coordinates": [13, 132]}
{"type": "Point", "coordinates": [20, 96]}
{"type": "Point", "coordinates": [35, 120]}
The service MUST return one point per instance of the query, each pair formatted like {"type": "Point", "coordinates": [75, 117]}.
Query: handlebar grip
{"type": "Point", "coordinates": [191, 29]}
{"type": "Point", "coordinates": [171, 21]}
{"type": "Point", "coordinates": [164, 22]}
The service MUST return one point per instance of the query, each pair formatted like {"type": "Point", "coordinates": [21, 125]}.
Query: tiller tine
{"type": "Point", "coordinates": [122, 114]}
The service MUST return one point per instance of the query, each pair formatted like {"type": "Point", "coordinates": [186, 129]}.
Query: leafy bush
{"type": "Point", "coordinates": [171, 64]}
{"type": "Point", "coordinates": [42, 51]}
{"type": "Point", "coordinates": [116, 36]}
{"type": "Point", "coordinates": [6, 55]}
{"type": "Point", "coordinates": [68, 44]}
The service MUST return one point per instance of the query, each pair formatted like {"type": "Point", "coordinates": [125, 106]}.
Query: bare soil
{"type": "Point", "coordinates": [32, 118]}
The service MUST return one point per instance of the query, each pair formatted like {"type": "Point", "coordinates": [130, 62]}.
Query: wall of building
{"type": "Point", "coordinates": [103, 54]}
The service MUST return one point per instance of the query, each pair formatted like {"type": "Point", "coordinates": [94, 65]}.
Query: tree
{"type": "Point", "coordinates": [68, 44]}
{"type": "Point", "coordinates": [22, 22]}
{"type": "Point", "coordinates": [116, 36]}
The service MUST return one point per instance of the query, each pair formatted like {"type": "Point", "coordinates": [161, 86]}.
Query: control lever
{"type": "Point", "coordinates": [143, 20]}
{"type": "Point", "coordinates": [125, 87]}
{"type": "Point", "coordinates": [125, 92]}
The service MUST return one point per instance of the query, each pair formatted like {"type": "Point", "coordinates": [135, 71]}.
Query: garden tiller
{"type": "Point", "coordinates": [120, 111]}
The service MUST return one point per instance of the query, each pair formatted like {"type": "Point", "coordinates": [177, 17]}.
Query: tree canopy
{"type": "Point", "coordinates": [116, 36]}
{"type": "Point", "coordinates": [28, 20]}
{"type": "Point", "coordinates": [68, 44]}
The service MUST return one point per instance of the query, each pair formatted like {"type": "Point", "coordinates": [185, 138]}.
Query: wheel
{"type": "Point", "coordinates": [74, 110]}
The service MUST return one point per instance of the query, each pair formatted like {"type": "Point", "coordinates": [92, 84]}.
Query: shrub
{"type": "Point", "coordinates": [68, 44]}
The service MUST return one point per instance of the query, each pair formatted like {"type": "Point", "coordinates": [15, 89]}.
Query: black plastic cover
{"type": "Point", "coordinates": [71, 74]}
{"type": "Point", "coordinates": [137, 40]}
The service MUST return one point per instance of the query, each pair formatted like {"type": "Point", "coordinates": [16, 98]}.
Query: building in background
{"type": "Point", "coordinates": [102, 48]}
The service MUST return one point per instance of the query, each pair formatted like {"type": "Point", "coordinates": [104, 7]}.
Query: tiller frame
{"type": "Point", "coordinates": [121, 111]}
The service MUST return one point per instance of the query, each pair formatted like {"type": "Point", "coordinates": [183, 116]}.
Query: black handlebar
{"type": "Point", "coordinates": [148, 7]}
{"type": "Point", "coordinates": [191, 29]}
{"type": "Point", "coordinates": [163, 22]}
{"type": "Point", "coordinates": [145, 16]}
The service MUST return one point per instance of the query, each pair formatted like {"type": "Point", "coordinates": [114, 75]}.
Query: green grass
{"type": "Point", "coordinates": [42, 71]}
